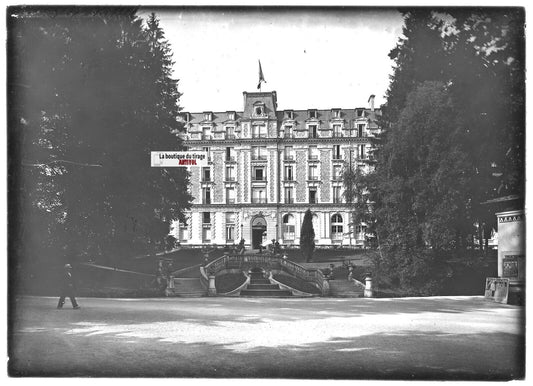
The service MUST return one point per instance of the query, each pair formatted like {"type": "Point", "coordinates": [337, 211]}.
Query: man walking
{"type": "Point", "coordinates": [67, 288]}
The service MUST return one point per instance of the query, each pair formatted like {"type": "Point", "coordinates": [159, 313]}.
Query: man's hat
{"type": "Point", "coordinates": [68, 266]}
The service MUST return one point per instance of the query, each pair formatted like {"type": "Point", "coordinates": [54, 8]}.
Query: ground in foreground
{"type": "Point", "coordinates": [455, 338]}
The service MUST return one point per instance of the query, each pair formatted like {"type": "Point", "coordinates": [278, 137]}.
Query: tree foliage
{"type": "Point", "coordinates": [307, 236]}
{"type": "Point", "coordinates": [453, 138]}
{"type": "Point", "coordinates": [92, 95]}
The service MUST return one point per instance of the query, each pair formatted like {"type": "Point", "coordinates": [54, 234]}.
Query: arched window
{"type": "Point", "coordinates": [336, 227]}
{"type": "Point", "coordinates": [288, 227]}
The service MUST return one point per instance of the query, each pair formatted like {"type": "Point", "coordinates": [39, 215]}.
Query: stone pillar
{"type": "Point", "coordinates": [368, 287]}
{"type": "Point", "coordinates": [212, 291]}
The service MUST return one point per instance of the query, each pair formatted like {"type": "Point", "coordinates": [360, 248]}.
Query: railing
{"type": "Point", "coordinates": [265, 261]}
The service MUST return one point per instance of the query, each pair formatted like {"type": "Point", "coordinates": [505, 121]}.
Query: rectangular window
{"type": "Point", "coordinates": [337, 152]}
{"type": "Point", "coordinates": [230, 218]}
{"type": "Point", "coordinates": [288, 153]}
{"type": "Point", "coordinates": [312, 196]}
{"type": "Point", "coordinates": [360, 130]}
{"type": "Point", "coordinates": [231, 115]}
{"type": "Point", "coordinates": [230, 173]}
{"type": "Point", "coordinates": [206, 174]}
{"type": "Point", "coordinates": [259, 174]}
{"type": "Point", "coordinates": [288, 232]}
{"type": "Point", "coordinates": [230, 226]}
{"type": "Point", "coordinates": [288, 131]}
{"type": "Point", "coordinates": [206, 195]}
{"type": "Point", "coordinates": [313, 172]}
{"type": "Point", "coordinates": [359, 113]}
{"type": "Point", "coordinates": [337, 195]}
{"type": "Point", "coordinates": [289, 198]}
{"type": "Point", "coordinates": [362, 154]}
{"type": "Point", "coordinates": [336, 114]}
{"type": "Point", "coordinates": [288, 173]}
{"type": "Point", "coordinates": [259, 196]}
{"type": "Point", "coordinates": [313, 153]}
{"type": "Point", "coordinates": [230, 233]}
{"type": "Point", "coordinates": [312, 114]}
{"type": "Point", "coordinates": [230, 196]}
{"type": "Point", "coordinates": [259, 153]}
{"type": "Point", "coordinates": [206, 150]}
{"type": "Point", "coordinates": [337, 171]}
{"type": "Point", "coordinates": [206, 218]}
{"type": "Point", "coordinates": [207, 116]}
{"type": "Point", "coordinates": [337, 131]}
{"type": "Point", "coordinates": [206, 234]}
{"type": "Point", "coordinates": [206, 132]}
{"type": "Point", "coordinates": [289, 114]}
{"type": "Point", "coordinates": [230, 132]}
{"type": "Point", "coordinates": [230, 154]}
{"type": "Point", "coordinates": [313, 133]}
{"type": "Point", "coordinates": [259, 131]}
{"type": "Point", "coordinates": [183, 236]}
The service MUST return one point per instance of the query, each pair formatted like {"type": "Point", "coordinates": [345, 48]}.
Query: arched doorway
{"type": "Point", "coordinates": [259, 227]}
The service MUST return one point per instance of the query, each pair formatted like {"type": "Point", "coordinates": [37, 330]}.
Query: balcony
{"type": "Point", "coordinates": [207, 137]}
{"type": "Point", "coordinates": [337, 135]}
{"type": "Point", "coordinates": [259, 179]}
{"type": "Point", "coordinates": [230, 179]}
{"type": "Point", "coordinates": [230, 136]}
{"type": "Point", "coordinates": [230, 201]}
{"type": "Point", "coordinates": [289, 200]}
{"type": "Point", "coordinates": [313, 157]}
{"type": "Point", "coordinates": [259, 135]}
{"type": "Point", "coordinates": [312, 178]}
{"type": "Point", "coordinates": [288, 158]}
{"type": "Point", "coordinates": [288, 135]}
{"type": "Point", "coordinates": [206, 180]}
{"type": "Point", "coordinates": [259, 158]}
{"type": "Point", "coordinates": [206, 201]}
{"type": "Point", "coordinates": [230, 158]}
{"type": "Point", "coordinates": [259, 200]}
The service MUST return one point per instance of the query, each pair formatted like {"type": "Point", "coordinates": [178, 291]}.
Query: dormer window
{"type": "Point", "coordinates": [359, 113]}
{"type": "Point", "coordinates": [231, 115]}
{"type": "Point", "coordinates": [208, 116]}
{"type": "Point", "coordinates": [336, 113]}
{"type": "Point", "coordinates": [313, 114]}
{"type": "Point", "coordinates": [187, 117]}
{"type": "Point", "coordinates": [289, 114]}
{"type": "Point", "coordinates": [259, 110]}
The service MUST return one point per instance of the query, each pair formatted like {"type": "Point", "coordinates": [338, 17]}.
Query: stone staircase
{"type": "Point", "coordinates": [342, 288]}
{"type": "Point", "coordinates": [261, 287]}
{"type": "Point", "coordinates": [186, 288]}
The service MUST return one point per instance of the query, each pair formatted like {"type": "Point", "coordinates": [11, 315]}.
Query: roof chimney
{"type": "Point", "coordinates": [371, 102]}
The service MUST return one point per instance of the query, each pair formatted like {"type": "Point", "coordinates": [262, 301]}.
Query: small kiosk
{"type": "Point", "coordinates": [512, 253]}
{"type": "Point", "coordinates": [509, 286]}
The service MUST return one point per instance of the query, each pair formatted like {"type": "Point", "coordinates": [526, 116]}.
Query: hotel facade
{"type": "Point", "coordinates": [268, 166]}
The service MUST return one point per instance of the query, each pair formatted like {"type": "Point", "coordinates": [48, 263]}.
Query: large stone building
{"type": "Point", "coordinates": [268, 166]}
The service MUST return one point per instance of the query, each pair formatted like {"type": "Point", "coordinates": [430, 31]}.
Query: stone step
{"type": "Point", "coordinates": [265, 293]}
{"type": "Point", "coordinates": [187, 287]}
{"type": "Point", "coordinates": [263, 286]}
{"type": "Point", "coordinates": [344, 289]}
{"type": "Point", "coordinates": [259, 281]}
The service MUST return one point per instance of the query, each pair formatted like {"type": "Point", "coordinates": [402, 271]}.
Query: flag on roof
{"type": "Point", "coordinates": [261, 76]}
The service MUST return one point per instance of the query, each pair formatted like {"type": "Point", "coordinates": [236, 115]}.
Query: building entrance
{"type": "Point", "coordinates": [259, 228]}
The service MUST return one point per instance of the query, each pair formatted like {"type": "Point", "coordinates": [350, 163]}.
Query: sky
{"type": "Point", "coordinates": [312, 57]}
